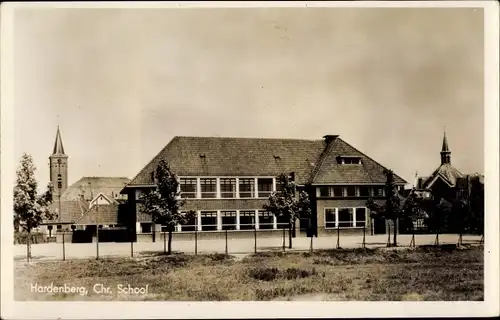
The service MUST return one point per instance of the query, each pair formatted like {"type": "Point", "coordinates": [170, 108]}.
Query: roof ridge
{"type": "Point", "coordinates": [321, 160]}
{"type": "Point", "coordinates": [250, 138]}
{"type": "Point", "coordinates": [376, 162]}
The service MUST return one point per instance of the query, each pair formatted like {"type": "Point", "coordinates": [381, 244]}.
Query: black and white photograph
{"type": "Point", "coordinates": [306, 157]}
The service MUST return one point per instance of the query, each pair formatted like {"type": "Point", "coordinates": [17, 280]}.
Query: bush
{"type": "Point", "coordinates": [270, 274]}
{"type": "Point", "coordinates": [22, 237]}
{"type": "Point", "coordinates": [264, 274]}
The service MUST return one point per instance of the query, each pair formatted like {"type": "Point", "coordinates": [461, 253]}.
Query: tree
{"type": "Point", "coordinates": [393, 207]}
{"type": "Point", "coordinates": [285, 204]}
{"type": "Point", "coordinates": [30, 209]}
{"type": "Point", "coordinates": [163, 202]}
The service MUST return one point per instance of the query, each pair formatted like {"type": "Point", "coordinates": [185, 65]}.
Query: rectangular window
{"type": "Point", "coordinates": [360, 217]}
{"type": "Point", "coordinates": [247, 188]}
{"type": "Point", "coordinates": [324, 191]}
{"type": "Point", "coordinates": [208, 188]}
{"type": "Point", "coordinates": [266, 220]}
{"type": "Point", "coordinates": [265, 187]}
{"type": "Point", "coordinates": [247, 220]}
{"type": "Point", "coordinates": [228, 188]}
{"type": "Point", "coordinates": [351, 191]}
{"type": "Point", "coordinates": [330, 218]}
{"type": "Point", "coordinates": [353, 160]}
{"type": "Point", "coordinates": [188, 187]}
{"type": "Point", "coordinates": [208, 220]}
{"type": "Point", "coordinates": [338, 191]}
{"type": "Point", "coordinates": [190, 224]}
{"type": "Point", "coordinates": [228, 220]}
{"type": "Point", "coordinates": [378, 191]}
{"type": "Point", "coordinates": [364, 191]}
{"type": "Point", "coordinates": [345, 217]}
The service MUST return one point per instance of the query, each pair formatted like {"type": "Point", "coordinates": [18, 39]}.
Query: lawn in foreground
{"type": "Point", "coordinates": [352, 274]}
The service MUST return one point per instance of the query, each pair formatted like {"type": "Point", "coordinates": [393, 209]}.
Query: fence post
{"type": "Point", "coordinates": [164, 243]}
{"type": "Point", "coordinates": [28, 250]}
{"type": "Point", "coordinates": [311, 246]}
{"type": "Point", "coordinates": [97, 242]}
{"type": "Point", "coordinates": [255, 238]}
{"type": "Point", "coordinates": [196, 240]}
{"type": "Point", "coordinates": [226, 244]}
{"type": "Point", "coordinates": [338, 237]}
{"type": "Point", "coordinates": [284, 245]}
{"type": "Point", "coordinates": [64, 247]}
{"type": "Point", "coordinates": [131, 248]}
{"type": "Point", "coordinates": [482, 239]}
{"type": "Point", "coordinates": [389, 235]}
{"type": "Point", "coordinates": [364, 237]}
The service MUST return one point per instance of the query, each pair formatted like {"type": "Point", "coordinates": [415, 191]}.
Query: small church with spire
{"type": "Point", "coordinates": [446, 181]}
{"type": "Point", "coordinates": [87, 204]}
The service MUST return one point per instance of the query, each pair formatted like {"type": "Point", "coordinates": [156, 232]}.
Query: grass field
{"type": "Point", "coordinates": [350, 274]}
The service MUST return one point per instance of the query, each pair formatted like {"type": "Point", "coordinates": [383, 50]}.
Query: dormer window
{"type": "Point", "coordinates": [348, 160]}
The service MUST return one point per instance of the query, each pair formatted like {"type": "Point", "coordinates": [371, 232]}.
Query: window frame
{"type": "Point", "coordinates": [337, 222]}
{"type": "Point", "coordinates": [262, 213]}
{"type": "Point", "coordinates": [211, 194]}
{"type": "Point", "coordinates": [231, 226]}
{"type": "Point", "coordinates": [183, 193]}
{"type": "Point", "coordinates": [247, 213]}
{"type": "Point", "coordinates": [234, 192]}
{"type": "Point", "coordinates": [245, 192]}
{"type": "Point", "coordinates": [213, 214]}
{"type": "Point", "coordinates": [265, 193]}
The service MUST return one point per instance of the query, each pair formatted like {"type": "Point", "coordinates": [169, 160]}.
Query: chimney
{"type": "Point", "coordinates": [329, 138]}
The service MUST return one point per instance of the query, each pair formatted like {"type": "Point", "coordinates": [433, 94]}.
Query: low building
{"type": "Point", "coordinates": [87, 204]}
{"type": "Point", "coordinates": [227, 181]}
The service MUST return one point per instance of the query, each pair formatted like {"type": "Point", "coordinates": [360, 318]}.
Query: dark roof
{"type": "Point", "coordinates": [446, 172]}
{"type": "Point", "coordinates": [311, 160]}
{"type": "Point", "coordinates": [78, 212]}
{"type": "Point", "coordinates": [90, 187]}
{"type": "Point", "coordinates": [330, 171]}
{"type": "Point", "coordinates": [104, 214]}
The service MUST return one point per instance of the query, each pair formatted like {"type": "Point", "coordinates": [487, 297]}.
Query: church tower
{"type": "Point", "coordinates": [58, 163]}
{"type": "Point", "coordinates": [445, 152]}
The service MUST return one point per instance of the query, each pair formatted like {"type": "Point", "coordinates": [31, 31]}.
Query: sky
{"type": "Point", "coordinates": [121, 83]}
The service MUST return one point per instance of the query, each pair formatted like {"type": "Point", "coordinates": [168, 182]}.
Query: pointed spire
{"type": "Point", "coordinates": [58, 145]}
{"type": "Point", "coordinates": [445, 143]}
{"type": "Point", "coordinates": [445, 151]}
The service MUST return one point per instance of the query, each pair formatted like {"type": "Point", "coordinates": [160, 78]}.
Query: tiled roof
{"type": "Point", "coordinates": [90, 187]}
{"type": "Point", "coordinates": [446, 172]}
{"type": "Point", "coordinates": [205, 156]}
{"type": "Point", "coordinates": [103, 214]}
{"type": "Point", "coordinates": [331, 171]}
{"type": "Point", "coordinates": [209, 156]}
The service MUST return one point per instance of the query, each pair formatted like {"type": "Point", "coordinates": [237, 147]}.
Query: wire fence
{"type": "Point", "coordinates": [273, 237]}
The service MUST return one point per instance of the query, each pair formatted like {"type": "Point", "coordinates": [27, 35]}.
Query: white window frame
{"type": "Point", "coordinates": [273, 186]}
{"type": "Point", "coordinates": [217, 188]}
{"type": "Point", "coordinates": [336, 213]}
{"type": "Point", "coordinates": [236, 189]}
{"type": "Point", "coordinates": [197, 192]}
